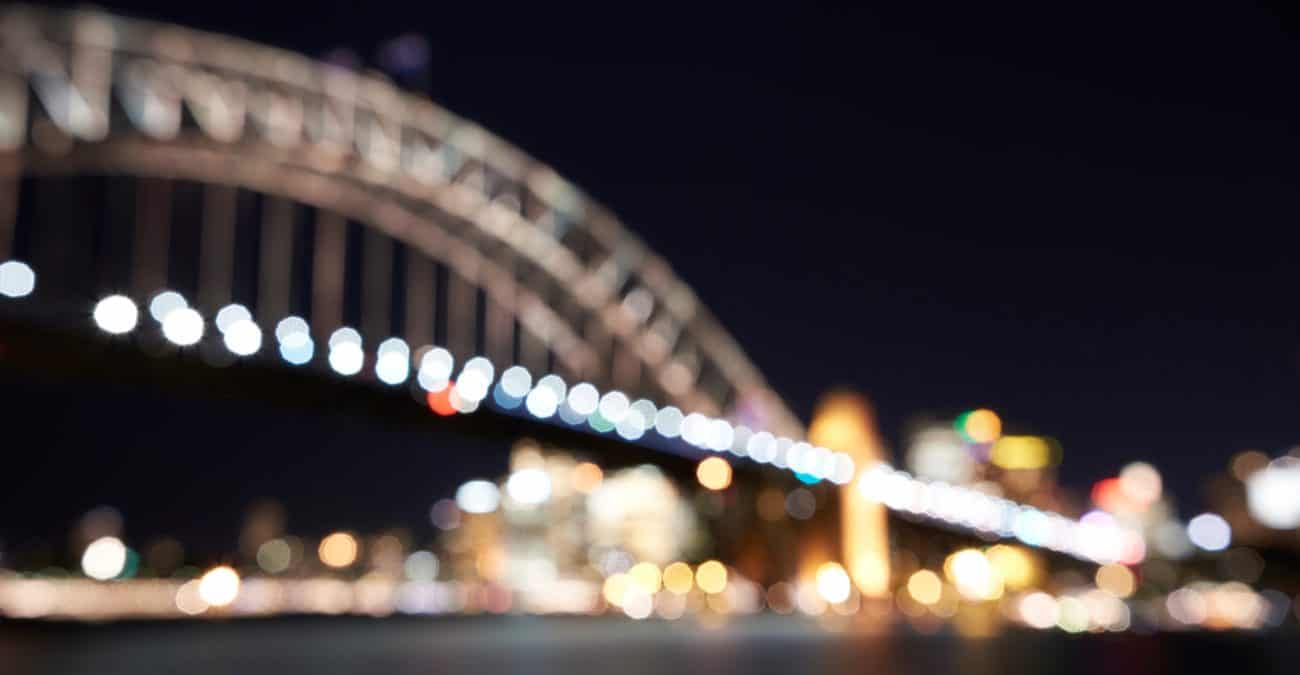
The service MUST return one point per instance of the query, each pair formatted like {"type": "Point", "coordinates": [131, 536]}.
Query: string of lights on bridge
{"type": "Point", "coordinates": [1096, 537]}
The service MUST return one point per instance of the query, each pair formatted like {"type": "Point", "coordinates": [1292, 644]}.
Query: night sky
{"type": "Point", "coordinates": [1081, 219]}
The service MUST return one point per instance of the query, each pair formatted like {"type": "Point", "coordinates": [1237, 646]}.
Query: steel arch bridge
{"type": "Point", "coordinates": [459, 235]}
{"type": "Point", "coordinates": [138, 158]}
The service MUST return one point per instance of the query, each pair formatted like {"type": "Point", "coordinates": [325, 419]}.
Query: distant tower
{"type": "Point", "coordinates": [843, 421]}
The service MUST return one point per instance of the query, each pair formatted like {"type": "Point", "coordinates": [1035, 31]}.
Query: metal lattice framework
{"type": "Point", "coordinates": [549, 274]}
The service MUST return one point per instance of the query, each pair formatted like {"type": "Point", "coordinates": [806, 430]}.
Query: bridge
{"type": "Point", "coordinates": [197, 193]}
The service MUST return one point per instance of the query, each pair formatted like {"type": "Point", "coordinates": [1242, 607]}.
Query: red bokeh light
{"type": "Point", "coordinates": [440, 401]}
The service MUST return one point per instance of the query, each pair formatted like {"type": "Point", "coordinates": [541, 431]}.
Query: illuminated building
{"type": "Point", "coordinates": [843, 422]}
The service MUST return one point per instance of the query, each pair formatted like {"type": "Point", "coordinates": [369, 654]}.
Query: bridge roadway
{"type": "Point", "coordinates": [516, 644]}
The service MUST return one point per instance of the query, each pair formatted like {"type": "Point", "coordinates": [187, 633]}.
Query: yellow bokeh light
{"type": "Point", "coordinates": [711, 576]}
{"type": "Point", "coordinates": [678, 578]}
{"type": "Point", "coordinates": [645, 576]}
{"type": "Point", "coordinates": [1022, 452]}
{"type": "Point", "coordinates": [616, 586]}
{"type": "Point", "coordinates": [1116, 580]}
{"type": "Point", "coordinates": [925, 587]}
{"type": "Point", "coordinates": [833, 583]}
{"type": "Point", "coordinates": [982, 426]}
{"type": "Point", "coordinates": [714, 473]}
{"type": "Point", "coordinates": [586, 477]}
{"type": "Point", "coordinates": [842, 422]}
{"type": "Point", "coordinates": [219, 586]}
{"type": "Point", "coordinates": [973, 575]}
{"type": "Point", "coordinates": [338, 550]}
{"type": "Point", "coordinates": [1017, 566]}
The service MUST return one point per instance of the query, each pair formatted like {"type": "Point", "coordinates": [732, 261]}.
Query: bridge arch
{"type": "Point", "coordinates": [84, 92]}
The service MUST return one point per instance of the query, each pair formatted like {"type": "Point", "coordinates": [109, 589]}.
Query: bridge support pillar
{"type": "Point", "coordinates": [844, 422]}
{"type": "Point", "coordinates": [327, 273]}
{"type": "Point", "coordinates": [275, 269]}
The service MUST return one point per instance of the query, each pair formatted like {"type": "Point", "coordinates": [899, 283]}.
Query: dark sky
{"type": "Point", "coordinates": [1081, 218]}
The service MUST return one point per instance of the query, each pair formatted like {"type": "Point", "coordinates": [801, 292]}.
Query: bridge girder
{"type": "Point", "coordinates": [84, 91]}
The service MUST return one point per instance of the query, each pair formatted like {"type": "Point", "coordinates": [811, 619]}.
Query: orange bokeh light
{"type": "Point", "coordinates": [983, 426]}
{"type": "Point", "coordinates": [714, 473]}
{"type": "Point", "coordinates": [440, 401]}
{"type": "Point", "coordinates": [586, 477]}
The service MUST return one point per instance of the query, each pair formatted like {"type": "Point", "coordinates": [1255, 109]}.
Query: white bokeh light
{"type": "Point", "coordinates": [668, 422]}
{"type": "Point", "coordinates": [182, 326]}
{"type": "Point", "coordinates": [613, 406]}
{"type": "Point", "coordinates": [648, 411]}
{"type": "Point", "coordinates": [1209, 532]}
{"type": "Point", "coordinates": [219, 586]}
{"type": "Point", "coordinates": [472, 386]}
{"type": "Point", "coordinates": [116, 314]}
{"type": "Point", "coordinates": [294, 335]}
{"type": "Point", "coordinates": [344, 335]}
{"type": "Point", "coordinates": [392, 361]}
{"type": "Point", "coordinates": [229, 315]}
{"type": "Point", "coordinates": [719, 436]}
{"type": "Point", "coordinates": [478, 496]}
{"type": "Point", "coordinates": [421, 566]}
{"type": "Point", "coordinates": [529, 486]}
{"type": "Point", "coordinates": [761, 447]}
{"type": "Point", "coordinates": [584, 399]}
{"type": "Point", "coordinates": [556, 384]}
{"type": "Point", "coordinates": [695, 429]}
{"type": "Point", "coordinates": [461, 404]}
{"type": "Point", "coordinates": [243, 337]}
{"type": "Point", "coordinates": [165, 303]}
{"type": "Point", "coordinates": [293, 330]}
{"type": "Point", "coordinates": [104, 558]}
{"type": "Point", "coordinates": [346, 358]}
{"type": "Point", "coordinates": [740, 440]}
{"type": "Point", "coordinates": [633, 425]}
{"type": "Point", "coordinates": [541, 402]}
{"type": "Point", "coordinates": [17, 279]}
{"type": "Point", "coordinates": [1273, 495]}
{"type": "Point", "coordinates": [435, 369]}
{"type": "Point", "coordinates": [516, 381]}
{"type": "Point", "coordinates": [480, 364]}
{"type": "Point", "coordinates": [844, 469]}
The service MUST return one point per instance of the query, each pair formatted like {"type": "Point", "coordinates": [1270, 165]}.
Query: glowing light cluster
{"type": "Point", "coordinates": [294, 336]}
{"type": "Point", "coordinates": [614, 411]}
{"type": "Point", "coordinates": [544, 398]}
{"type": "Point", "coordinates": [1095, 537]}
{"type": "Point", "coordinates": [1231, 605]}
{"type": "Point", "coordinates": [346, 356]}
{"type": "Point", "coordinates": [393, 361]}
{"type": "Point", "coordinates": [1098, 539]}
{"type": "Point", "coordinates": [181, 324]}
{"type": "Point", "coordinates": [1075, 612]}
{"type": "Point", "coordinates": [241, 335]}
